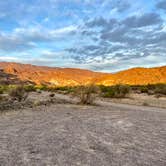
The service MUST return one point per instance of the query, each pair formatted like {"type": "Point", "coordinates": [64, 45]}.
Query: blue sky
{"type": "Point", "coordinates": [101, 35]}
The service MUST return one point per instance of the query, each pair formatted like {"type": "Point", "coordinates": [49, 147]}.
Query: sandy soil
{"type": "Point", "coordinates": [70, 135]}
{"type": "Point", "coordinates": [141, 99]}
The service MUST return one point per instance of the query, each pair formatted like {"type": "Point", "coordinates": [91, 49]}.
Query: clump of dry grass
{"type": "Point", "coordinates": [18, 93]}
{"type": "Point", "coordinates": [145, 104]}
{"type": "Point", "coordinates": [86, 94]}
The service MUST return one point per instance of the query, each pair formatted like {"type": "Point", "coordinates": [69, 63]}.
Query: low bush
{"type": "Point", "coordinates": [160, 89]}
{"type": "Point", "coordinates": [1, 90]}
{"type": "Point", "coordinates": [52, 95]}
{"type": "Point", "coordinates": [145, 104]}
{"type": "Point", "coordinates": [18, 93]}
{"type": "Point", "coordinates": [144, 89]}
{"type": "Point", "coordinates": [150, 89]}
{"type": "Point", "coordinates": [4, 88]}
{"type": "Point", "coordinates": [30, 88]}
{"type": "Point", "coordinates": [64, 89]}
{"type": "Point", "coordinates": [42, 87]}
{"type": "Point", "coordinates": [116, 91]}
{"type": "Point", "coordinates": [86, 94]}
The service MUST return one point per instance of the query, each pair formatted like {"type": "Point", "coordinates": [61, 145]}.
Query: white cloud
{"type": "Point", "coordinates": [63, 31]}
{"type": "Point", "coordinates": [8, 58]}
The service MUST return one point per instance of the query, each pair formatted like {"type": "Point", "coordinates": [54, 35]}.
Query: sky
{"type": "Point", "coordinates": [100, 35]}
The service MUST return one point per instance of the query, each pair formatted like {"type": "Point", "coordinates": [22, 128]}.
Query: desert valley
{"type": "Point", "coordinates": [82, 83]}
{"type": "Point", "coordinates": [60, 116]}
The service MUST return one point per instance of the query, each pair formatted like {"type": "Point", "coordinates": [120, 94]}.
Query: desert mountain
{"type": "Point", "coordinates": [136, 76]}
{"type": "Point", "coordinates": [71, 76]}
{"type": "Point", "coordinates": [50, 76]}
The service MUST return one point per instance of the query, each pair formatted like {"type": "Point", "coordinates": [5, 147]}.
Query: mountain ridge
{"type": "Point", "coordinates": [74, 76]}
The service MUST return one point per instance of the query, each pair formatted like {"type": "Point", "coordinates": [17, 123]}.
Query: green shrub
{"type": "Point", "coordinates": [18, 93]}
{"type": "Point", "coordinates": [160, 89]}
{"type": "Point", "coordinates": [117, 91]}
{"type": "Point", "coordinates": [144, 89]}
{"type": "Point", "coordinates": [1, 90]}
{"type": "Point", "coordinates": [65, 89]}
{"type": "Point", "coordinates": [42, 87]}
{"type": "Point", "coordinates": [4, 88]}
{"type": "Point", "coordinates": [150, 89]}
{"type": "Point", "coordinates": [30, 88]}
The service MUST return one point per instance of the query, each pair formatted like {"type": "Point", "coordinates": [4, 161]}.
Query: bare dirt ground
{"type": "Point", "coordinates": [141, 99]}
{"type": "Point", "coordinates": [110, 134]}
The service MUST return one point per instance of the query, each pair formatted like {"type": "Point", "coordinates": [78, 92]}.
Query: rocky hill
{"type": "Point", "coordinates": [72, 77]}
{"type": "Point", "coordinates": [50, 76]}
{"type": "Point", "coordinates": [136, 76]}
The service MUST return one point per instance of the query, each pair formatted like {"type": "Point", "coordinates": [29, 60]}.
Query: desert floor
{"type": "Point", "coordinates": [109, 134]}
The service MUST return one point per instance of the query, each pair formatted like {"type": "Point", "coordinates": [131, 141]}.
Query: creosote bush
{"type": "Point", "coordinates": [144, 89]}
{"type": "Point", "coordinates": [30, 88]}
{"type": "Point", "coordinates": [151, 89]}
{"type": "Point", "coordinates": [116, 91]}
{"type": "Point", "coordinates": [160, 89]}
{"type": "Point", "coordinates": [86, 94]}
{"type": "Point", "coordinates": [63, 89]}
{"type": "Point", "coordinates": [18, 93]}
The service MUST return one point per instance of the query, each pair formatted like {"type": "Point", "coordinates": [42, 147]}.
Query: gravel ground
{"type": "Point", "coordinates": [71, 135]}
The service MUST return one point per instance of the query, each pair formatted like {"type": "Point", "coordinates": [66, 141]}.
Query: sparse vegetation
{"type": "Point", "coordinates": [2, 98]}
{"type": "Point", "coordinates": [18, 93]}
{"type": "Point", "coordinates": [145, 104]}
{"type": "Point", "coordinates": [63, 89]}
{"type": "Point", "coordinates": [86, 94]}
{"type": "Point", "coordinates": [4, 88]}
{"type": "Point", "coordinates": [160, 89]}
{"type": "Point", "coordinates": [1, 90]}
{"type": "Point", "coordinates": [144, 89]}
{"type": "Point", "coordinates": [42, 87]}
{"type": "Point", "coordinates": [116, 91]}
{"type": "Point", "coordinates": [30, 88]}
{"type": "Point", "coordinates": [150, 89]}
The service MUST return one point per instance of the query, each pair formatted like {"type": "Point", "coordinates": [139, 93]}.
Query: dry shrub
{"type": "Point", "coordinates": [145, 104]}
{"type": "Point", "coordinates": [51, 95]}
{"type": "Point", "coordinates": [18, 93]}
{"type": "Point", "coordinates": [3, 98]}
{"type": "Point", "coordinates": [86, 94]}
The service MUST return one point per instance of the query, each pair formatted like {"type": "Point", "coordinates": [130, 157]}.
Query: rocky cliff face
{"type": "Point", "coordinates": [72, 77]}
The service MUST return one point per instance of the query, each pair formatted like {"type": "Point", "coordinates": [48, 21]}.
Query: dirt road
{"type": "Point", "coordinates": [70, 135]}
